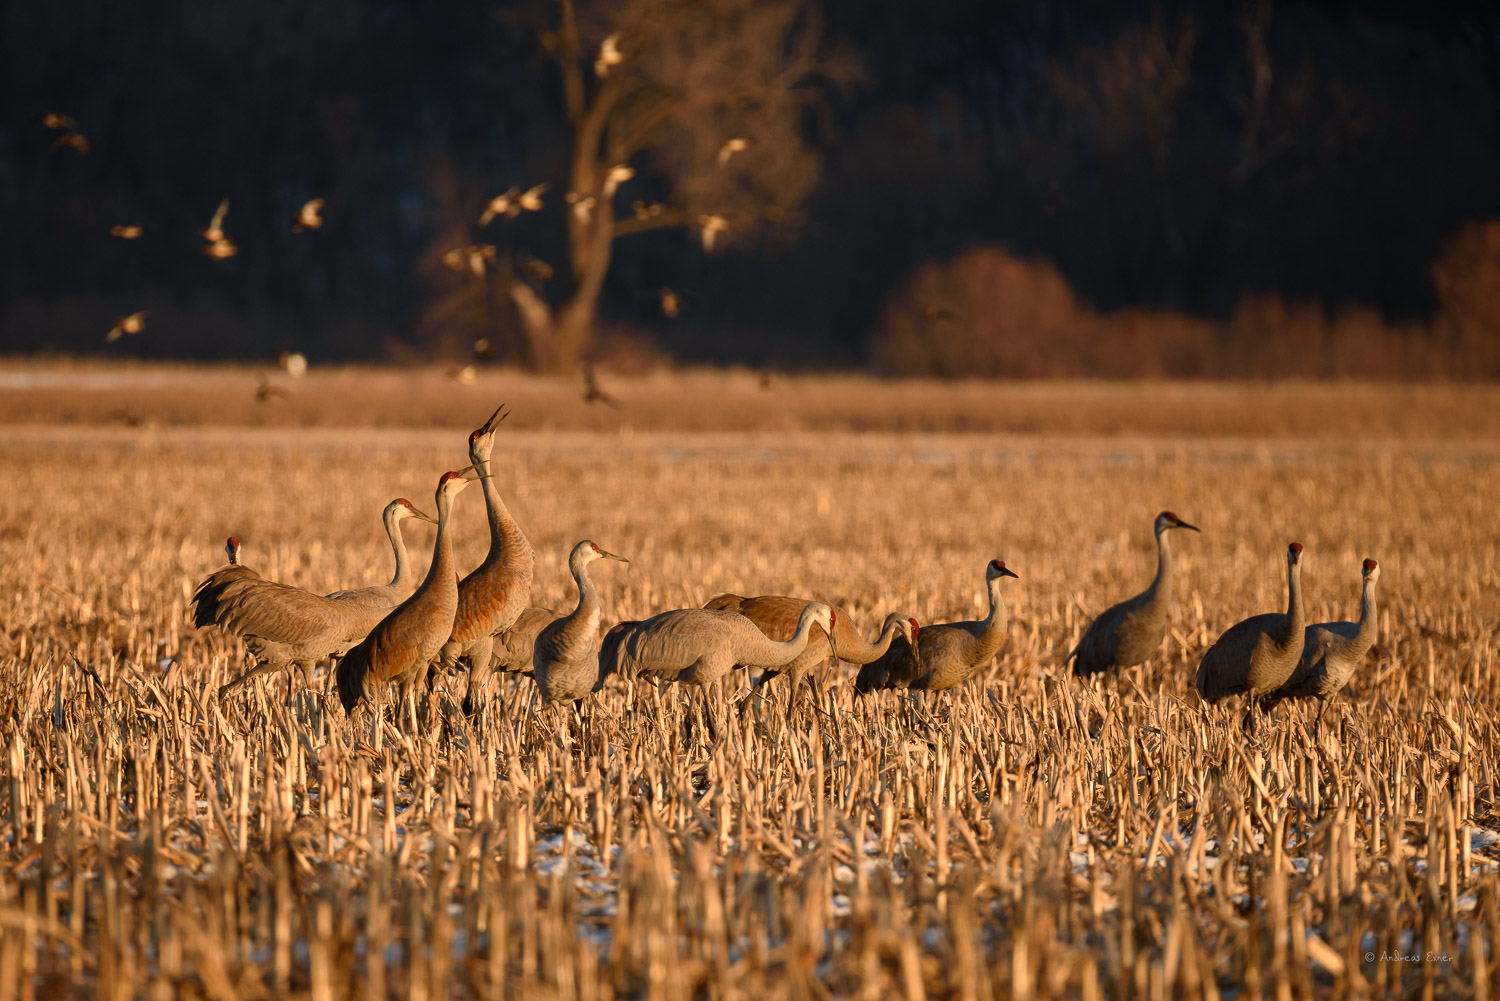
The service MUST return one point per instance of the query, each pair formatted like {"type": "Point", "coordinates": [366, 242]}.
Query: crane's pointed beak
{"type": "Point", "coordinates": [471, 474]}
{"type": "Point", "coordinates": [495, 418]}
{"type": "Point", "coordinates": [611, 556]}
{"type": "Point", "coordinates": [1008, 572]}
{"type": "Point", "coordinates": [1183, 524]}
{"type": "Point", "coordinates": [423, 516]}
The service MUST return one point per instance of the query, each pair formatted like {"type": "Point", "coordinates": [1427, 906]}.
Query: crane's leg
{"type": "Point", "coordinates": [263, 667]}
{"type": "Point", "coordinates": [479, 675]}
{"type": "Point", "coordinates": [1322, 705]}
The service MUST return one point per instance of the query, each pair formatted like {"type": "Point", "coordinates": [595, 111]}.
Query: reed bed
{"type": "Point", "coordinates": [1030, 836]}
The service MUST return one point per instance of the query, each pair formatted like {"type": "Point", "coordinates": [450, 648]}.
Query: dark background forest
{"type": "Point", "coordinates": [947, 187]}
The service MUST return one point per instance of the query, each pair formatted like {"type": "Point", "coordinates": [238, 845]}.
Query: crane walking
{"type": "Point", "coordinates": [564, 663]}
{"type": "Point", "coordinates": [1128, 633]}
{"type": "Point", "coordinates": [493, 596]}
{"type": "Point", "coordinates": [406, 639]}
{"type": "Point", "coordinates": [946, 655]}
{"type": "Point", "coordinates": [283, 625]}
{"type": "Point", "coordinates": [1332, 650]}
{"type": "Point", "coordinates": [777, 616]}
{"type": "Point", "coordinates": [1257, 656]}
{"type": "Point", "coordinates": [699, 646]}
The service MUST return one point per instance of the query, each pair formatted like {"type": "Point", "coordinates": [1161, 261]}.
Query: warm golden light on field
{"type": "Point", "coordinates": [1030, 834]}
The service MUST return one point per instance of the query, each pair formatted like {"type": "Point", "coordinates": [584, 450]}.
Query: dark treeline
{"type": "Point", "coordinates": [1165, 157]}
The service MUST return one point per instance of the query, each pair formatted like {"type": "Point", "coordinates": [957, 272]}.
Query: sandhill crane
{"type": "Point", "coordinates": [1127, 634]}
{"type": "Point", "coordinates": [408, 637]}
{"type": "Point", "coordinates": [284, 625]}
{"type": "Point", "coordinates": [699, 646]}
{"type": "Point", "coordinates": [493, 596]}
{"type": "Point", "coordinates": [777, 616]}
{"type": "Point", "coordinates": [1257, 656]}
{"type": "Point", "coordinates": [1332, 650]}
{"type": "Point", "coordinates": [563, 660]}
{"type": "Point", "coordinates": [946, 655]}
{"type": "Point", "coordinates": [212, 589]}
{"type": "Point", "coordinates": [511, 651]}
{"type": "Point", "coordinates": [389, 595]}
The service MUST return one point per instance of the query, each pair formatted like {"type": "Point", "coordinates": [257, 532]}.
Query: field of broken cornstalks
{"type": "Point", "coordinates": [1029, 836]}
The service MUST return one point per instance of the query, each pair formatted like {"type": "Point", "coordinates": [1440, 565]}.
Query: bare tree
{"type": "Point", "coordinates": [706, 100]}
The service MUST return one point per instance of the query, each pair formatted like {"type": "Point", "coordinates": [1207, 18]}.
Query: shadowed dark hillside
{"type": "Point", "coordinates": [1197, 160]}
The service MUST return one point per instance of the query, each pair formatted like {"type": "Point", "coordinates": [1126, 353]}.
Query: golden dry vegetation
{"type": "Point", "coordinates": [1029, 836]}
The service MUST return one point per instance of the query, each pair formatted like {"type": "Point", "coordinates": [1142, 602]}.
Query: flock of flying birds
{"type": "Point", "coordinates": [406, 632]}
{"type": "Point", "coordinates": [475, 258]}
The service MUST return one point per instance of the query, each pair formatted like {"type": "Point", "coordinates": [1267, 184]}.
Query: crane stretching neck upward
{"type": "Point", "coordinates": [507, 541]}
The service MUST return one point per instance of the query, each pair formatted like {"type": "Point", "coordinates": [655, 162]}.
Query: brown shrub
{"type": "Point", "coordinates": [989, 313]}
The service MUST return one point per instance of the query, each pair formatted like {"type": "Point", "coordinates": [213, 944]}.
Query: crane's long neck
{"type": "Point", "coordinates": [1160, 591]}
{"type": "Point", "coordinates": [1294, 618]}
{"type": "Point", "coordinates": [855, 650]}
{"type": "Point", "coordinates": [1369, 614]}
{"type": "Point", "coordinates": [402, 581]}
{"type": "Point", "coordinates": [440, 574]}
{"type": "Point", "coordinates": [993, 632]}
{"type": "Point", "coordinates": [582, 624]}
{"type": "Point", "coordinates": [755, 649]}
{"type": "Point", "coordinates": [507, 541]}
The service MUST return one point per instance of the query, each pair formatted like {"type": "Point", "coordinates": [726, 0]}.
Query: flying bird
{"type": "Point", "coordinates": [671, 303]}
{"type": "Point", "coordinates": [293, 363]}
{"type": "Point", "coordinates": [609, 55]}
{"type": "Point", "coordinates": [474, 258]}
{"type": "Point", "coordinates": [712, 226]}
{"type": "Point", "coordinates": [265, 392]}
{"type": "Point", "coordinates": [645, 210]}
{"type": "Point", "coordinates": [76, 141]}
{"type": "Point", "coordinates": [132, 324]}
{"type": "Point", "coordinates": [591, 391]}
{"type": "Point", "coordinates": [537, 269]}
{"type": "Point", "coordinates": [583, 205]}
{"type": "Point", "coordinates": [464, 375]}
{"type": "Point", "coordinates": [126, 232]}
{"type": "Point", "coordinates": [58, 122]}
{"type": "Point", "coordinates": [308, 216]}
{"type": "Point", "coordinates": [618, 175]}
{"type": "Point", "coordinates": [220, 249]}
{"type": "Point", "coordinates": [730, 148]}
{"type": "Point", "coordinates": [531, 198]}
{"type": "Point", "coordinates": [214, 231]}
{"type": "Point", "coordinates": [506, 205]}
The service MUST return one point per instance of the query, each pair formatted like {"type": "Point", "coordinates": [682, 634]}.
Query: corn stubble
{"type": "Point", "coordinates": [1031, 836]}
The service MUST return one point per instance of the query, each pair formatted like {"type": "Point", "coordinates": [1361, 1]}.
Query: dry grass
{"type": "Point", "coordinates": [1035, 838]}
{"type": "Point", "coordinates": [158, 396]}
